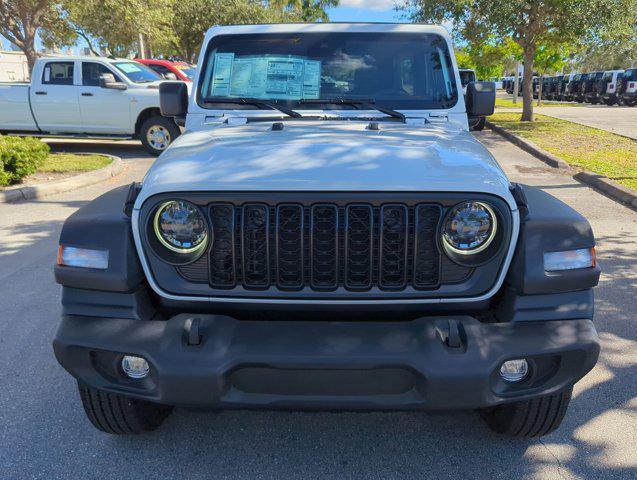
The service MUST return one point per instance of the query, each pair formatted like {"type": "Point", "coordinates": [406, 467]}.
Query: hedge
{"type": "Point", "coordinates": [20, 157]}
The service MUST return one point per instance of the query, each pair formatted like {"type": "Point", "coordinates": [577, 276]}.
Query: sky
{"type": "Point", "coordinates": [347, 11]}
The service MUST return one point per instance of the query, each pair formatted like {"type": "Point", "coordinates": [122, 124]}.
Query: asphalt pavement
{"type": "Point", "coordinates": [44, 434]}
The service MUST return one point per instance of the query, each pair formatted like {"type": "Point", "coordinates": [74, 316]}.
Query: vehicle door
{"type": "Point", "coordinates": [104, 110]}
{"type": "Point", "coordinates": [54, 98]}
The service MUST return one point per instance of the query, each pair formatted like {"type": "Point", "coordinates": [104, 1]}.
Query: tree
{"type": "Point", "coordinates": [530, 23]}
{"type": "Point", "coordinates": [116, 25]}
{"type": "Point", "coordinates": [307, 10]}
{"type": "Point", "coordinates": [191, 19]}
{"type": "Point", "coordinates": [20, 21]}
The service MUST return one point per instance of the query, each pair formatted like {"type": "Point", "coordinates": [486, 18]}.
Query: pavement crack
{"type": "Point", "coordinates": [559, 463]}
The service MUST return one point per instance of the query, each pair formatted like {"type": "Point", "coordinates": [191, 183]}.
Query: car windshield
{"type": "Point", "coordinates": [187, 70]}
{"type": "Point", "coordinates": [136, 72]}
{"type": "Point", "coordinates": [394, 70]}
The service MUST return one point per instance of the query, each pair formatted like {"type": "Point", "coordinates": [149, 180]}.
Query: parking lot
{"type": "Point", "coordinates": [46, 435]}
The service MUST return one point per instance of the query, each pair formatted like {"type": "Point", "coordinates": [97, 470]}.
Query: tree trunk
{"type": "Point", "coordinates": [539, 91]}
{"type": "Point", "coordinates": [32, 55]}
{"type": "Point", "coordinates": [527, 88]}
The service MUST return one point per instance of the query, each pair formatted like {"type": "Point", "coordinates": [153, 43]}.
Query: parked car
{"type": "Point", "coordinates": [169, 70]}
{"type": "Point", "coordinates": [627, 89]}
{"type": "Point", "coordinates": [590, 88]}
{"type": "Point", "coordinates": [88, 97]}
{"type": "Point", "coordinates": [563, 87]}
{"type": "Point", "coordinates": [302, 246]}
{"type": "Point", "coordinates": [573, 87]}
{"type": "Point", "coordinates": [468, 76]}
{"type": "Point", "coordinates": [585, 81]}
{"type": "Point", "coordinates": [606, 88]}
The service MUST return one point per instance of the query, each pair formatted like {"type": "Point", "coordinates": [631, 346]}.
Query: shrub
{"type": "Point", "coordinates": [20, 157]}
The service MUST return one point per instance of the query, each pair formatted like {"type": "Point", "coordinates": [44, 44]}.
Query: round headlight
{"type": "Point", "coordinates": [180, 227]}
{"type": "Point", "coordinates": [469, 228]}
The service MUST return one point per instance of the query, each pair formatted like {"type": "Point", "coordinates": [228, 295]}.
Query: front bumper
{"type": "Point", "coordinates": [327, 365]}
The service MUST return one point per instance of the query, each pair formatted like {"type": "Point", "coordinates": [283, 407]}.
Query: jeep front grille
{"type": "Point", "coordinates": [323, 247]}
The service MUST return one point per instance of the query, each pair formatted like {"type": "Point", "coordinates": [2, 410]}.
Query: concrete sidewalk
{"type": "Point", "coordinates": [619, 120]}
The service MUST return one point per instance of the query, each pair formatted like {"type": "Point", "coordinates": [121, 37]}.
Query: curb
{"type": "Point", "coordinates": [614, 190]}
{"type": "Point", "coordinates": [59, 186]}
{"type": "Point", "coordinates": [530, 147]}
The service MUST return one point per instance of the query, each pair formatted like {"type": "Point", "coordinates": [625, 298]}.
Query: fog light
{"type": "Point", "coordinates": [514, 370]}
{"type": "Point", "coordinates": [135, 367]}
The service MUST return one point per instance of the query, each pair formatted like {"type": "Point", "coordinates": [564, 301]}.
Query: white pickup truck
{"type": "Point", "coordinates": [88, 97]}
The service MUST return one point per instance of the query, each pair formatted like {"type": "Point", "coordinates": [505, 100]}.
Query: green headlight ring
{"type": "Point", "coordinates": [161, 239]}
{"type": "Point", "coordinates": [481, 247]}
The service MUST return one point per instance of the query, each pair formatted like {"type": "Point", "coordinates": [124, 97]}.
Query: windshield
{"type": "Point", "coordinates": [136, 72]}
{"type": "Point", "coordinates": [395, 70]}
{"type": "Point", "coordinates": [187, 70]}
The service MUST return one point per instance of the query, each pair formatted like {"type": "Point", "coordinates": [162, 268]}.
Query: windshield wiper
{"type": "Point", "coordinates": [359, 104]}
{"type": "Point", "coordinates": [257, 103]}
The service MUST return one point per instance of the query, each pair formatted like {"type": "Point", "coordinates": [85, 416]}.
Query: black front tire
{"type": "Point", "coordinates": [154, 129]}
{"type": "Point", "coordinates": [121, 415]}
{"type": "Point", "coordinates": [532, 418]}
{"type": "Point", "coordinates": [480, 125]}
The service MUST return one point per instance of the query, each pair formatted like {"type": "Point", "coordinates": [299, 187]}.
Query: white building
{"type": "Point", "coordinates": [13, 67]}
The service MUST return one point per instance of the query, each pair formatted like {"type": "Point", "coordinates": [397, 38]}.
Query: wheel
{"type": "Point", "coordinates": [157, 133]}
{"type": "Point", "coordinates": [120, 415]}
{"type": "Point", "coordinates": [610, 102]}
{"type": "Point", "coordinates": [481, 123]}
{"type": "Point", "coordinates": [531, 418]}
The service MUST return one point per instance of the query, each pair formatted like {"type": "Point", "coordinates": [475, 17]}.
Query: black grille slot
{"type": "Point", "coordinates": [289, 246]}
{"type": "Point", "coordinates": [255, 246]}
{"type": "Point", "coordinates": [222, 253]}
{"type": "Point", "coordinates": [359, 262]}
{"type": "Point", "coordinates": [426, 265]}
{"type": "Point", "coordinates": [324, 247]}
{"type": "Point", "coordinates": [393, 246]}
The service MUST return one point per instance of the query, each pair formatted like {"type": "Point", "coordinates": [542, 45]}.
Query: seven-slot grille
{"type": "Point", "coordinates": [324, 246]}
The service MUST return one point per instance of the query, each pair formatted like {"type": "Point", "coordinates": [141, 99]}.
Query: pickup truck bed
{"type": "Point", "coordinates": [15, 107]}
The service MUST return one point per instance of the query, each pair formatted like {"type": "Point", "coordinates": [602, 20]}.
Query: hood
{"type": "Point", "coordinates": [327, 156]}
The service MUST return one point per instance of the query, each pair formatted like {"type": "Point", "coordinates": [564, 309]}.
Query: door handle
{"type": "Point", "coordinates": [40, 93]}
{"type": "Point", "coordinates": [87, 94]}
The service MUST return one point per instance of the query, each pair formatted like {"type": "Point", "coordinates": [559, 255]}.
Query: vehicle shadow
{"type": "Point", "coordinates": [124, 149]}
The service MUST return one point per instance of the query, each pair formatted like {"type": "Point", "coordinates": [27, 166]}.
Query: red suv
{"type": "Point", "coordinates": [164, 68]}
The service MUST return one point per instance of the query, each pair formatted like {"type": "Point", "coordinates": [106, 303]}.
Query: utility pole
{"type": "Point", "coordinates": [516, 82]}
{"type": "Point", "coordinates": [142, 46]}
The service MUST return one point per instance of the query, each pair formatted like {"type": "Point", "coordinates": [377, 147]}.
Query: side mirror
{"type": "Point", "coordinates": [107, 80]}
{"type": "Point", "coordinates": [173, 101]}
{"type": "Point", "coordinates": [480, 99]}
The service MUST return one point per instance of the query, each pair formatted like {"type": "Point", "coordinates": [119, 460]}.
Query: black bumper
{"type": "Point", "coordinates": [327, 365]}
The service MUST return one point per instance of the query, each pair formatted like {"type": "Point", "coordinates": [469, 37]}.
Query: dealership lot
{"type": "Point", "coordinates": [45, 435]}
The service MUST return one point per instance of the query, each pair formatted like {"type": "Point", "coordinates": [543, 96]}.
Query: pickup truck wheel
{"type": "Point", "coordinates": [120, 415]}
{"type": "Point", "coordinates": [157, 133]}
{"type": "Point", "coordinates": [531, 418]}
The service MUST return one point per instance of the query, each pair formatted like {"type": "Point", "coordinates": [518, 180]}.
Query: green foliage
{"type": "Point", "coordinates": [530, 23]}
{"type": "Point", "coordinates": [115, 25]}
{"type": "Point", "coordinates": [20, 157]}
{"type": "Point", "coordinates": [192, 18]}
{"type": "Point", "coordinates": [306, 10]}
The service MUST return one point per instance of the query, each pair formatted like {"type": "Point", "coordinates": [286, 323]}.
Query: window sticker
{"type": "Point", "coordinates": [47, 73]}
{"type": "Point", "coordinates": [129, 67]}
{"type": "Point", "coordinates": [267, 77]}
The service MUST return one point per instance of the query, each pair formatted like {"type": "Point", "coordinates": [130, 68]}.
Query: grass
{"type": "Point", "coordinates": [590, 148]}
{"type": "Point", "coordinates": [508, 103]}
{"type": "Point", "coordinates": [68, 162]}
